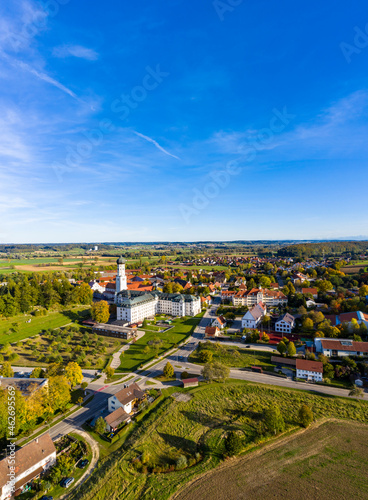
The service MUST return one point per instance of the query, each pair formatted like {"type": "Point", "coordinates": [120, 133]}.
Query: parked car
{"type": "Point", "coordinates": [83, 463]}
{"type": "Point", "coordinates": [66, 482]}
{"type": "Point", "coordinates": [45, 497]}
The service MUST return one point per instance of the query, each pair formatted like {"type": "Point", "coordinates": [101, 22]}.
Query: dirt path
{"type": "Point", "coordinates": [95, 456]}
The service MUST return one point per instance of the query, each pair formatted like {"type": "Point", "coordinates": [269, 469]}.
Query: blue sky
{"type": "Point", "coordinates": [182, 120]}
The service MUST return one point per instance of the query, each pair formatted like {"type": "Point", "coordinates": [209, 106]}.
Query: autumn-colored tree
{"type": "Point", "coordinates": [6, 370]}
{"type": "Point", "coordinates": [109, 372]}
{"type": "Point", "coordinates": [58, 394]}
{"type": "Point", "coordinates": [168, 370]}
{"type": "Point", "coordinates": [100, 311]}
{"type": "Point", "coordinates": [205, 356]}
{"type": "Point", "coordinates": [73, 373]}
{"type": "Point", "coordinates": [308, 324]}
{"type": "Point", "coordinates": [291, 350]}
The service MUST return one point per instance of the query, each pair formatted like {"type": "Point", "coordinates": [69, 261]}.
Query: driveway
{"type": "Point", "coordinates": [92, 465]}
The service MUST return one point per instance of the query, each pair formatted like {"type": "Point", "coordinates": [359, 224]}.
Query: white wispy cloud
{"type": "Point", "coordinates": [79, 51]}
{"type": "Point", "coordinates": [17, 29]}
{"type": "Point", "coordinates": [155, 143]}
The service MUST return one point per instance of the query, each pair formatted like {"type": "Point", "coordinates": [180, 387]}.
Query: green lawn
{"type": "Point", "coordinates": [235, 357]}
{"type": "Point", "coordinates": [134, 357]}
{"type": "Point", "coordinates": [54, 319]}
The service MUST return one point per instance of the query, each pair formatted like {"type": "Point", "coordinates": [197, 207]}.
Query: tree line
{"type": "Point", "coordinates": [22, 293]}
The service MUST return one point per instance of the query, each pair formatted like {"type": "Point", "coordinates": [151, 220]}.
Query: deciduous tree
{"type": "Point", "coordinates": [305, 416]}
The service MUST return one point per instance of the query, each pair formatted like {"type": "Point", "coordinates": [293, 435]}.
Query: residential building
{"type": "Point", "coordinates": [340, 347]}
{"type": "Point", "coordinates": [126, 398]}
{"type": "Point", "coordinates": [212, 331]}
{"type": "Point", "coordinates": [268, 297]}
{"type": "Point", "coordinates": [338, 319]}
{"type": "Point", "coordinates": [30, 462]}
{"type": "Point", "coordinates": [285, 323]}
{"type": "Point", "coordinates": [220, 322]}
{"type": "Point", "coordinates": [311, 291]}
{"type": "Point", "coordinates": [253, 317]}
{"type": "Point", "coordinates": [299, 277]}
{"type": "Point", "coordinates": [309, 370]}
{"type": "Point", "coordinates": [116, 418]}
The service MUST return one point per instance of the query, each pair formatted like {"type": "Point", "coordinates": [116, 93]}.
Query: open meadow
{"type": "Point", "coordinates": [325, 461]}
{"type": "Point", "coordinates": [192, 429]}
{"type": "Point", "coordinates": [235, 357]}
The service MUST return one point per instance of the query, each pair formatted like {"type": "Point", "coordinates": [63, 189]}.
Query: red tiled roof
{"type": "Point", "coordinates": [211, 330]}
{"type": "Point", "coordinates": [309, 365]}
{"type": "Point", "coordinates": [313, 291]}
{"type": "Point", "coordinates": [336, 345]}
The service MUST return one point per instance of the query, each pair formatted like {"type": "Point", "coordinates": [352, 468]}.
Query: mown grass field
{"type": "Point", "coordinates": [235, 357]}
{"type": "Point", "coordinates": [326, 461]}
{"type": "Point", "coordinates": [16, 328]}
{"type": "Point", "coordinates": [199, 426]}
{"type": "Point", "coordinates": [134, 357]}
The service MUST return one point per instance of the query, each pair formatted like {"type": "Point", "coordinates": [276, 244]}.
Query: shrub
{"type": "Point", "coordinates": [206, 356]}
{"type": "Point", "coordinates": [184, 375]}
{"type": "Point", "coordinates": [305, 416]}
{"type": "Point", "coordinates": [181, 462]}
{"type": "Point", "coordinates": [233, 443]}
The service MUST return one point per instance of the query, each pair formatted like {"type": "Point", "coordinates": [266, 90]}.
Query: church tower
{"type": "Point", "coordinates": [121, 281]}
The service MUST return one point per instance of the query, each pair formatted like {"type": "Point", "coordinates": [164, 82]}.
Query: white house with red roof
{"type": "Point", "coordinates": [309, 370]}
{"type": "Point", "coordinates": [268, 297]}
{"type": "Point", "coordinates": [340, 347]}
{"type": "Point", "coordinates": [220, 322]}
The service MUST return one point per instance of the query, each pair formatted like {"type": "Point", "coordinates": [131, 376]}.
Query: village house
{"type": "Point", "coordinates": [220, 322]}
{"type": "Point", "coordinates": [30, 462]}
{"type": "Point", "coordinates": [126, 398]}
{"type": "Point", "coordinates": [340, 347]}
{"type": "Point", "coordinates": [116, 418]}
{"type": "Point", "coordinates": [212, 331]}
{"type": "Point", "coordinates": [309, 370]}
{"type": "Point", "coordinates": [338, 319]}
{"type": "Point", "coordinates": [285, 323]}
{"type": "Point", "coordinates": [253, 317]}
{"type": "Point", "coordinates": [311, 291]}
{"type": "Point", "coordinates": [299, 277]}
{"type": "Point", "coordinates": [268, 297]}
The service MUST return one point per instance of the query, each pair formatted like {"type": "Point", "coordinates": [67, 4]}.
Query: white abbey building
{"type": "Point", "coordinates": [134, 306]}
